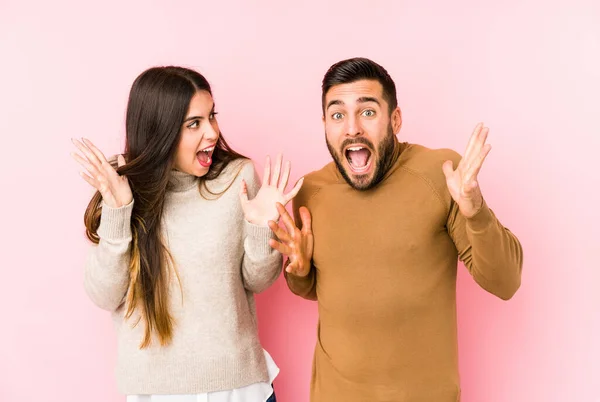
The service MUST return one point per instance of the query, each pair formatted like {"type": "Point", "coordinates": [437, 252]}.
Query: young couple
{"type": "Point", "coordinates": [184, 234]}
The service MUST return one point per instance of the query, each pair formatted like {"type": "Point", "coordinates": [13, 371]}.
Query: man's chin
{"type": "Point", "coordinates": [358, 181]}
{"type": "Point", "coordinates": [360, 172]}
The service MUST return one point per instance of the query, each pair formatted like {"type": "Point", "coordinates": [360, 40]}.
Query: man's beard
{"type": "Point", "coordinates": [383, 163]}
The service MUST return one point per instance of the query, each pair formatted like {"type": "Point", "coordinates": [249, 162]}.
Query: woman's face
{"type": "Point", "coordinates": [199, 135]}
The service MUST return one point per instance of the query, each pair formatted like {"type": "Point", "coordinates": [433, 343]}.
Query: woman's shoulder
{"type": "Point", "coordinates": [231, 176]}
{"type": "Point", "coordinates": [240, 168]}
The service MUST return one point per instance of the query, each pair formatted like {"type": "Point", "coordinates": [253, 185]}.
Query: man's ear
{"type": "Point", "coordinates": [396, 120]}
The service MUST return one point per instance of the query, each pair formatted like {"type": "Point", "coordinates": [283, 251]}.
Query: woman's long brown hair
{"type": "Point", "coordinates": [158, 102]}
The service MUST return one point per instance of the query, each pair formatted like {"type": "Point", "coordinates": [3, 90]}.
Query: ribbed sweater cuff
{"type": "Point", "coordinates": [115, 223]}
{"type": "Point", "coordinates": [482, 219]}
{"type": "Point", "coordinates": [258, 238]}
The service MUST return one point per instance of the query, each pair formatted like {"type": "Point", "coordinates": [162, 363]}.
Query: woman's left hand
{"type": "Point", "coordinates": [262, 208]}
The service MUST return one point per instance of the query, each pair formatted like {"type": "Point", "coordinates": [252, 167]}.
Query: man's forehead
{"type": "Point", "coordinates": [351, 93]}
{"type": "Point", "coordinates": [355, 93]}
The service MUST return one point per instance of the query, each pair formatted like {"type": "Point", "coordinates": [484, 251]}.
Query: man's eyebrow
{"type": "Point", "coordinates": [334, 102]}
{"type": "Point", "coordinates": [364, 99]}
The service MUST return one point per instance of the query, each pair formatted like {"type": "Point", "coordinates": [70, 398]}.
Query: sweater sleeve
{"type": "Point", "coordinates": [261, 265]}
{"type": "Point", "coordinates": [107, 268]}
{"type": "Point", "coordinates": [305, 287]}
{"type": "Point", "coordinates": [492, 254]}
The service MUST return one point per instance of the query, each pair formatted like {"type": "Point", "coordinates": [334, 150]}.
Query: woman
{"type": "Point", "coordinates": [181, 244]}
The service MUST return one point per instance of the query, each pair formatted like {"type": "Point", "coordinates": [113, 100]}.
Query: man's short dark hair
{"type": "Point", "coordinates": [359, 68]}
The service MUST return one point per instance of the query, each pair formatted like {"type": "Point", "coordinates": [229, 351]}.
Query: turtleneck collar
{"type": "Point", "coordinates": [180, 181]}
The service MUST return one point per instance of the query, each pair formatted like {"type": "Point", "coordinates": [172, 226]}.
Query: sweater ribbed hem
{"type": "Point", "coordinates": [115, 223]}
{"type": "Point", "coordinates": [191, 374]}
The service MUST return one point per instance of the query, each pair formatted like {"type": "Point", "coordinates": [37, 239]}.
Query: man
{"type": "Point", "coordinates": [378, 250]}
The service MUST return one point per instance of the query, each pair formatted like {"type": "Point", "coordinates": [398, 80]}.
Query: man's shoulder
{"type": "Point", "coordinates": [421, 157]}
{"type": "Point", "coordinates": [316, 180]}
{"type": "Point", "coordinates": [425, 164]}
{"type": "Point", "coordinates": [322, 177]}
{"type": "Point", "coordinates": [428, 161]}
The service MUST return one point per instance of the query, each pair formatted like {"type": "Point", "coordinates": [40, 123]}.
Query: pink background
{"type": "Point", "coordinates": [530, 69]}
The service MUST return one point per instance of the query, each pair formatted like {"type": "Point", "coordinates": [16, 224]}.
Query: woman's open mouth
{"type": "Point", "coordinates": [204, 156]}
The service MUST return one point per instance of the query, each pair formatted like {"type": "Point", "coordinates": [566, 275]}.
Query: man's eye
{"type": "Point", "coordinates": [336, 116]}
{"type": "Point", "coordinates": [369, 113]}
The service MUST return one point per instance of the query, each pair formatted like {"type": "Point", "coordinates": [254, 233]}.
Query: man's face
{"type": "Point", "coordinates": [359, 131]}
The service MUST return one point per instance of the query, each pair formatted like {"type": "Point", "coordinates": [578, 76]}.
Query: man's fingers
{"type": "Point", "coordinates": [306, 219]}
{"type": "Point", "coordinates": [473, 156]}
{"type": "Point", "coordinates": [282, 248]}
{"type": "Point", "coordinates": [448, 169]}
{"type": "Point", "coordinates": [292, 268]}
{"type": "Point", "coordinates": [473, 139]}
{"type": "Point", "coordinates": [281, 234]}
{"type": "Point", "coordinates": [475, 167]}
{"type": "Point", "coordinates": [287, 219]}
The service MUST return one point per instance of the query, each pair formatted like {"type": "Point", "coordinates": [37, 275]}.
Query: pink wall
{"type": "Point", "coordinates": [529, 68]}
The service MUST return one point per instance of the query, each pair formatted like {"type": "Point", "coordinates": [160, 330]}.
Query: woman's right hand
{"type": "Point", "coordinates": [115, 189]}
